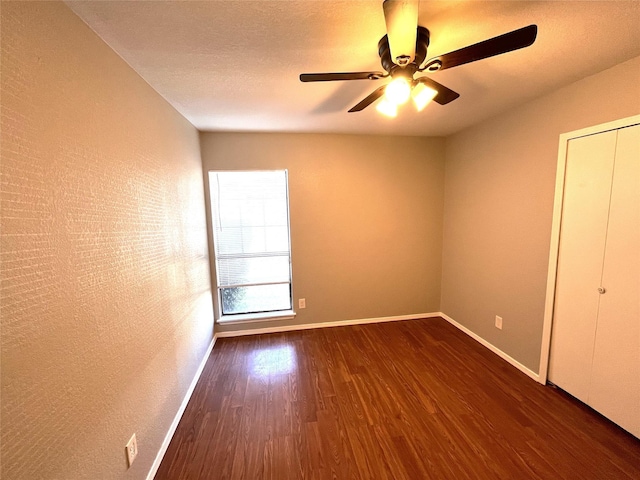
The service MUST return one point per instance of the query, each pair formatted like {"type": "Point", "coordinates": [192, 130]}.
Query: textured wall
{"type": "Point", "coordinates": [105, 281]}
{"type": "Point", "coordinates": [500, 181]}
{"type": "Point", "coordinates": [366, 218]}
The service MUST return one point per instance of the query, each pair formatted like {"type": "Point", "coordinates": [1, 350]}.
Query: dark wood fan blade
{"type": "Point", "coordinates": [508, 42]}
{"type": "Point", "coordinates": [375, 95]}
{"type": "Point", "coordinates": [329, 77]}
{"type": "Point", "coordinates": [445, 94]}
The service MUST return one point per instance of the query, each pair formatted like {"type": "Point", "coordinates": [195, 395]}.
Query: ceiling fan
{"type": "Point", "coordinates": [403, 51]}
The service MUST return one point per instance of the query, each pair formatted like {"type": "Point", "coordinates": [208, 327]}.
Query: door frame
{"type": "Point", "coordinates": [555, 230]}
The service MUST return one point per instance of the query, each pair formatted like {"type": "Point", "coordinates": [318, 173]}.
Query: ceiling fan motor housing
{"type": "Point", "coordinates": [422, 42]}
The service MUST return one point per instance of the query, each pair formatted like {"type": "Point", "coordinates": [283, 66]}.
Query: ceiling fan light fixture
{"type": "Point", "coordinates": [387, 108]}
{"type": "Point", "coordinates": [402, 57]}
{"type": "Point", "coordinates": [422, 96]}
{"type": "Point", "coordinates": [398, 91]}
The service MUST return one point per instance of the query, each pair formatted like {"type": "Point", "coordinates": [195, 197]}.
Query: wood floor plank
{"type": "Point", "coordinates": [403, 400]}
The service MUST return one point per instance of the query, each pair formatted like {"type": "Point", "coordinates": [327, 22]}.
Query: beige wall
{"type": "Point", "coordinates": [105, 283]}
{"type": "Point", "coordinates": [366, 218]}
{"type": "Point", "coordinates": [500, 180]}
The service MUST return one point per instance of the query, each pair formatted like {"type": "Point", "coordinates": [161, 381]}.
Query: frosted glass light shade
{"type": "Point", "coordinates": [388, 108]}
{"type": "Point", "coordinates": [398, 91]}
{"type": "Point", "coordinates": [422, 95]}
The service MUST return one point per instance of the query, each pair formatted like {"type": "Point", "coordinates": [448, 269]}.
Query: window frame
{"type": "Point", "coordinates": [231, 318]}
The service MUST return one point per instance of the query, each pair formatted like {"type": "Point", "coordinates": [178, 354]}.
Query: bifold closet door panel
{"type": "Point", "coordinates": [615, 383]}
{"type": "Point", "coordinates": [589, 169]}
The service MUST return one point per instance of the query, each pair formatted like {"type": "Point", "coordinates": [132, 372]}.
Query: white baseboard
{"type": "Point", "coordinates": [176, 419]}
{"type": "Point", "coordinates": [339, 323]}
{"type": "Point", "coordinates": [493, 348]}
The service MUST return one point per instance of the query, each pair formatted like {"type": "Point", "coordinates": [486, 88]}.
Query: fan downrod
{"type": "Point", "coordinates": [422, 43]}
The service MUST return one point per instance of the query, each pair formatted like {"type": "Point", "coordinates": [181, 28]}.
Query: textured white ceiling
{"type": "Point", "coordinates": [234, 65]}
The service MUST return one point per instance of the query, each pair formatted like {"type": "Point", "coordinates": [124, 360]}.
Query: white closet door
{"type": "Point", "coordinates": [615, 383]}
{"type": "Point", "coordinates": [582, 240]}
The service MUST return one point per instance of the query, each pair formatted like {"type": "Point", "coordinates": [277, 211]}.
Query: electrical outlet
{"type": "Point", "coordinates": [302, 303]}
{"type": "Point", "coordinates": [498, 322]}
{"type": "Point", "coordinates": [132, 449]}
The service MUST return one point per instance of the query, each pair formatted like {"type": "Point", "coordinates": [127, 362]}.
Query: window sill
{"type": "Point", "coordinates": [256, 317]}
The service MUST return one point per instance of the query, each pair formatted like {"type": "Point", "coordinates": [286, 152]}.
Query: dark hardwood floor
{"type": "Point", "coordinates": [402, 400]}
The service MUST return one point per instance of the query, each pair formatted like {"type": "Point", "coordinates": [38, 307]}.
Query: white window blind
{"type": "Point", "coordinates": [251, 240]}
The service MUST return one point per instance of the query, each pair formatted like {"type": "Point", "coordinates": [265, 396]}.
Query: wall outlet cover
{"type": "Point", "coordinates": [132, 449]}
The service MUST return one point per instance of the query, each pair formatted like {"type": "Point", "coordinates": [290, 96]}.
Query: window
{"type": "Point", "coordinates": [250, 213]}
